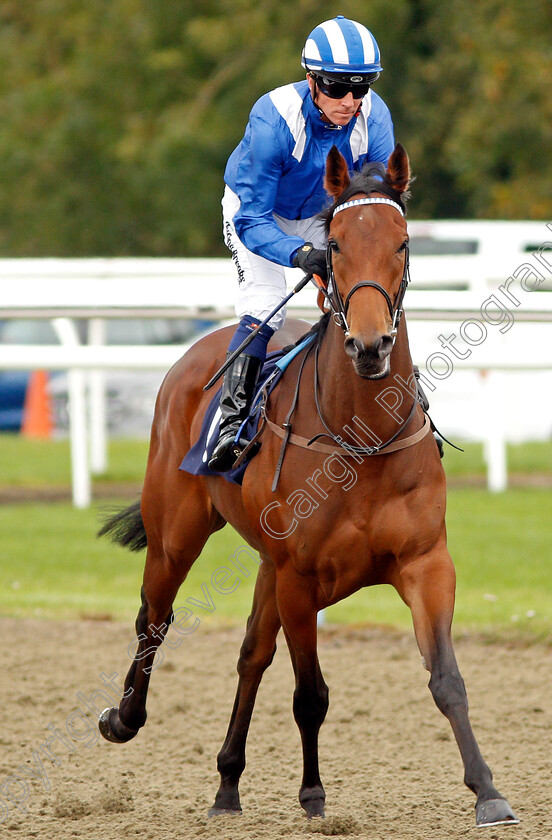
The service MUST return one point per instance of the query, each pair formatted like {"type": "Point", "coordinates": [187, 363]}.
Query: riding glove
{"type": "Point", "coordinates": [312, 260]}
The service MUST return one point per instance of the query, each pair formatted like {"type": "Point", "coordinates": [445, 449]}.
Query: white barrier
{"type": "Point", "coordinates": [445, 290]}
{"type": "Point", "coordinates": [456, 255]}
{"type": "Point", "coordinates": [79, 358]}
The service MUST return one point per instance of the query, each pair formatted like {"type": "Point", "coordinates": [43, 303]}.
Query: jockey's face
{"type": "Point", "coordinates": [336, 111]}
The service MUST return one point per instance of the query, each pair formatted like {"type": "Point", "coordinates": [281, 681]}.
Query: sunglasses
{"type": "Point", "coordinates": [338, 90]}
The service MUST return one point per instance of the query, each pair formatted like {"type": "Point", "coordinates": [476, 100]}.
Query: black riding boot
{"type": "Point", "coordinates": [238, 390]}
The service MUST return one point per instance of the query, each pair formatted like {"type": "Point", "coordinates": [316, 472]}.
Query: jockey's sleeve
{"type": "Point", "coordinates": [258, 176]}
{"type": "Point", "coordinates": [382, 141]}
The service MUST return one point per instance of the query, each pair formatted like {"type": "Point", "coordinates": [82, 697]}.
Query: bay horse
{"type": "Point", "coordinates": [385, 525]}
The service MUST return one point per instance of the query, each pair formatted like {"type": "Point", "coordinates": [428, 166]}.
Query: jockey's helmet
{"type": "Point", "coordinates": [343, 51]}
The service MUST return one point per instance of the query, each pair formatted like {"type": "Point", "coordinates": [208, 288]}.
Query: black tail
{"type": "Point", "coordinates": [126, 528]}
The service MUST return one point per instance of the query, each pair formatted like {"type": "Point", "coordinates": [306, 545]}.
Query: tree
{"type": "Point", "coordinates": [118, 118]}
{"type": "Point", "coordinates": [478, 109]}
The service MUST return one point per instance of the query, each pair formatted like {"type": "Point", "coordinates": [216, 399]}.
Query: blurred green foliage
{"type": "Point", "coordinates": [117, 118]}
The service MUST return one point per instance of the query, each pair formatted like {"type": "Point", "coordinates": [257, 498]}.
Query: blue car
{"type": "Point", "coordinates": [13, 386]}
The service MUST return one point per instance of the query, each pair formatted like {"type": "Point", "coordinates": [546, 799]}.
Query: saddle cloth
{"type": "Point", "coordinates": [197, 458]}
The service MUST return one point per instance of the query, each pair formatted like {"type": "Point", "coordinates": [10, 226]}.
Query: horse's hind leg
{"type": "Point", "coordinates": [427, 585]}
{"type": "Point", "coordinates": [176, 536]}
{"type": "Point", "coordinates": [257, 652]}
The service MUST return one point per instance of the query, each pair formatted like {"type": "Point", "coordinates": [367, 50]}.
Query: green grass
{"type": "Point", "coordinates": [525, 458]}
{"type": "Point", "coordinates": [30, 463]}
{"type": "Point", "coordinates": [52, 565]}
{"type": "Point", "coordinates": [37, 463]}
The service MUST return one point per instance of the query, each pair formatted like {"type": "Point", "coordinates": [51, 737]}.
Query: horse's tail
{"type": "Point", "coordinates": [126, 527]}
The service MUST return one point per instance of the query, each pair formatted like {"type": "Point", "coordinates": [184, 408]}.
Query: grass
{"type": "Point", "coordinates": [35, 463]}
{"type": "Point", "coordinates": [525, 458]}
{"type": "Point", "coordinates": [32, 463]}
{"type": "Point", "coordinates": [51, 564]}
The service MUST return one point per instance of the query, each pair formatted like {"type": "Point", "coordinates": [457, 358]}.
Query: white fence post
{"type": "Point", "coordinates": [494, 444]}
{"type": "Point", "coordinates": [80, 475]}
{"type": "Point", "coordinates": [82, 489]}
{"type": "Point", "coordinates": [98, 416]}
{"type": "Point", "coordinates": [495, 457]}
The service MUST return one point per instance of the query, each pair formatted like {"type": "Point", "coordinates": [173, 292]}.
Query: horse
{"type": "Point", "coordinates": [374, 512]}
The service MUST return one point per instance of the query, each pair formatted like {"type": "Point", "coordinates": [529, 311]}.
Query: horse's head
{"type": "Point", "coordinates": [368, 255]}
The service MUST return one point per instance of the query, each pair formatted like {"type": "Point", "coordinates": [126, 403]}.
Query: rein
{"type": "Point", "coordinates": [343, 447]}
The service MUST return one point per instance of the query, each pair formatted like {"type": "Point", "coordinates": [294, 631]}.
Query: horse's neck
{"type": "Point", "coordinates": [380, 403]}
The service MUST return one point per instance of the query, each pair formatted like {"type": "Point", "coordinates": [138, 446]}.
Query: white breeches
{"type": "Point", "coordinates": [261, 283]}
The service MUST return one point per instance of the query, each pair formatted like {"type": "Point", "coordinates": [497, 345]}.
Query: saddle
{"type": "Point", "coordinates": [197, 458]}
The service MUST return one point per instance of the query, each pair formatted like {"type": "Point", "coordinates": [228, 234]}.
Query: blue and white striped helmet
{"type": "Point", "coordinates": [342, 49]}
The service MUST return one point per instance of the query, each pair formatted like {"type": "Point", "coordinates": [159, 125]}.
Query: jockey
{"type": "Point", "coordinates": [275, 191]}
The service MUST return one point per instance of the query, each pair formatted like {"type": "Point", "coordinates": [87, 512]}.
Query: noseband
{"type": "Point", "coordinates": [338, 306]}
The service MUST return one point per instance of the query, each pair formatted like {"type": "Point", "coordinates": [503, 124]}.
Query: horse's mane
{"type": "Point", "coordinates": [372, 178]}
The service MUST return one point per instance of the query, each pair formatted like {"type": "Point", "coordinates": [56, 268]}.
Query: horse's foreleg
{"type": "Point", "coordinates": [257, 652]}
{"type": "Point", "coordinates": [427, 585]}
{"type": "Point", "coordinates": [310, 699]}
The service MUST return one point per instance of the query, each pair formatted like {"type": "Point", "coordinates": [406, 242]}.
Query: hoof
{"type": "Point", "coordinates": [314, 809]}
{"type": "Point", "coordinates": [494, 812]}
{"type": "Point", "coordinates": [227, 801]}
{"type": "Point", "coordinates": [312, 801]}
{"type": "Point", "coordinates": [113, 729]}
{"type": "Point", "coordinates": [219, 812]}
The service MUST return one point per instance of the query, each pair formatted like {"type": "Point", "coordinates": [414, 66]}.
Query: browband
{"type": "Point", "coordinates": [358, 201]}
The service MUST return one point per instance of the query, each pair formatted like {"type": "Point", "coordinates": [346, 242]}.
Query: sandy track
{"type": "Point", "coordinates": [389, 763]}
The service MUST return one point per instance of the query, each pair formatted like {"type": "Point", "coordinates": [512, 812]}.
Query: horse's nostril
{"type": "Point", "coordinates": [354, 347]}
{"type": "Point", "coordinates": [384, 346]}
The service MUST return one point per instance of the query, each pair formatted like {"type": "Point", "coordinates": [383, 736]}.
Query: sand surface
{"type": "Point", "coordinates": [389, 763]}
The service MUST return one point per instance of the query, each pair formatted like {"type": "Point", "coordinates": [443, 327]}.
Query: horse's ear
{"type": "Point", "coordinates": [398, 169]}
{"type": "Point", "coordinates": [337, 174]}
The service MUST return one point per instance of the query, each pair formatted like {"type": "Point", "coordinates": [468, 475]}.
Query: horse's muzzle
{"type": "Point", "coordinates": [370, 362]}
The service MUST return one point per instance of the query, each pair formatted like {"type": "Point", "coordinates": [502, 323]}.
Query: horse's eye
{"type": "Point", "coordinates": [334, 246]}
{"type": "Point", "coordinates": [403, 246]}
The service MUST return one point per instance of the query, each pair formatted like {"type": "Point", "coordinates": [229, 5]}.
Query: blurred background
{"type": "Point", "coordinates": [113, 115]}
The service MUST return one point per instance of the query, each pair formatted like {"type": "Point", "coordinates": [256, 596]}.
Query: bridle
{"type": "Point", "coordinates": [339, 311]}
{"type": "Point", "coordinates": [333, 296]}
